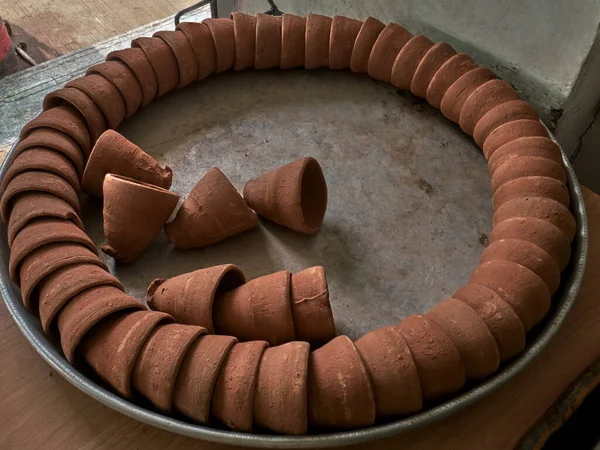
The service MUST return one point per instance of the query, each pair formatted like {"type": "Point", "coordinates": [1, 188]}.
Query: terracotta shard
{"type": "Point", "coordinates": [198, 374]}
{"type": "Point", "coordinates": [392, 371]}
{"type": "Point", "coordinates": [499, 317]}
{"type": "Point", "coordinates": [522, 289]}
{"type": "Point", "coordinates": [510, 131]}
{"type": "Point", "coordinates": [115, 154]}
{"type": "Point", "coordinates": [365, 40]}
{"type": "Point", "coordinates": [458, 92]}
{"type": "Point", "coordinates": [259, 309]}
{"type": "Point", "coordinates": [446, 75]}
{"type": "Point", "coordinates": [203, 46]}
{"type": "Point", "coordinates": [136, 60]}
{"type": "Point", "coordinates": [158, 363]}
{"type": "Point", "coordinates": [244, 32]}
{"type": "Point", "coordinates": [163, 62]}
{"type": "Point", "coordinates": [340, 394]}
{"type": "Point", "coordinates": [62, 285]}
{"type": "Point", "coordinates": [293, 30]}
{"type": "Point", "coordinates": [341, 41]}
{"type": "Point", "coordinates": [527, 166]}
{"type": "Point", "coordinates": [189, 297]}
{"type": "Point", "coordinates": [186, 58]}
{"type": "Point", "coordinates": [318, 29]}
{"type": "Point", "coordinates": [281, 397]}
{"type": "Point", "coordinates": [313, 319]}
{"type": "Point", "coordinates": [294, 195]}
{"type": "Point", "coordinates": [213, 211]}
{"type": "Point", "coordinates": [534, 187]}
{"type": "Point", "coordinates": [134, 213]}
{"type": "Point", "coordinates": [124, 79]}
{"type": "Point", "coordinates": [435, 57]}
{"type": "Point", "coordinates": [526, 146]}
{"type": "Point", "coordinates": [267, 53]}
{"type": "Point", "coordinates": [232, 401]}
{"type": "Point", "coordinates": [222, 34]}
{"type": "Point", "coordinates": [85, 310]}
{"type": "Point", "coordinates": [385, 50]}
{"type": "Point", "coordinates": [112, 347]}
{"type": "Point", "coordinates": [501, 114]}
{"type": "Point", "coordinates": [407, 60]}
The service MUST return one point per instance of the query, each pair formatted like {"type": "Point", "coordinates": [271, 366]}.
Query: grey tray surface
{"type": "Point", "coordinates": [408, 217]}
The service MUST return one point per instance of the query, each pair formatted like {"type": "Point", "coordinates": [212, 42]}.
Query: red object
{"type": "Point", "coordinates": [5, 41]}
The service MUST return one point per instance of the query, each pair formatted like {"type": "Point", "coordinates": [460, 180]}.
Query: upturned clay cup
{"type": "Point", "coordinates": [163, 61]}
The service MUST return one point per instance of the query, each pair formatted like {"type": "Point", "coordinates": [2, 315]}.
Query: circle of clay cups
{"type": "Point", "coordinates": [294, 195]}
{"type": "Point", "coordinates": [134, 213]}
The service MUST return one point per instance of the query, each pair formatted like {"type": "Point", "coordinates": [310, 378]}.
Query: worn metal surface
{"type": "Point", "coordinates": [408, 216]}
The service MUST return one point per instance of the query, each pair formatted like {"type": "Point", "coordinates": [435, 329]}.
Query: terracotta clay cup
{"type": "Point", "coordinates": [280, 403]}
{"type": "Point", "coordinates": [203, 46]}
{"type": "Point", "coordinates": [340, 394]}
{"type": "Point", "coordinates": [244, 32]}
{"type": "Point", "coordinates": [259, 309]}
{"type": "Point", "coordinates": [363, 44]}
{"type": "Point", "coordinates": [435, 57]}
{"type": "Point", "coordinates": [440, 367]}
{"type": "Point", "coordinates": [232, 401]}
{"type": "Point", "coordinates": [158, 363]}
{"type": "Point", "coordinates": [198, 374]}
{"type": "Point", "coordinates": [85, 310]}
{"type": "Point", "coordinates": [163, 62]}
{"type": "Point", "coordinates": [189, 297]}
{"type": "Point", "coordinates": [526, 146]}
{"type": "Point", "coordinates": [313, 319]}
{"type": "Point", "coordinates": [134, 213]}
{"type": "Point", "coordinates": [446, 75]}
{"type": "Point", "coordinates": [341, 41]}
{"type": "Point", "coordinates": [136, 60]}
{"type": "Point", "coordinates": [535, 186]}
{"type": "Point", "coordinates": [318, 30]}
{"type": "Point", "coordinates": [35, 205]}
{"type": "Point", "coordinates": [501, 114]}
{"type": "Point", "coordinates": [458, 92]}
{"type": "Point", "coordinates": [115, 154]}
{"type": "Point", "coordinates": [389, 42]}
{"type": "Point", "coordinates": [510, 131]}
{"type": "Point", "coordinates": [293, 31]}
{"type": "Point", "coordinates": [47, 259]}
{"type": "Point", "coordinates": [42, 232]}
{"type": "Point", "coordinates": [65, 283]}
{"type": "Point", "coordinates": [392, 371]}
{"type": "Point", "coordinates": [294, 195]}
{"type": "Point", "coordinates": [213, 211]}
{"type": "Point", "coordinates": [112, 347]}
{"type": "Point", "coordinates": [267, 53]}
{"type": "Point", "coordinates": [407, 60]}
{"type": "Point", "coordinates": [527, 166]}
{"type": "Point", "coordinates": [222, 34]}
{"type": "Point", "coordinates": [186, 59]}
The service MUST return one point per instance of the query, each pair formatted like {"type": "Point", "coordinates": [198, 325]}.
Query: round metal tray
{"type": "Point", "coordinates": [408, 216]}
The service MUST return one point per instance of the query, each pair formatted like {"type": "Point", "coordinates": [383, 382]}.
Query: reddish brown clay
{"type": "Point", "coordinates": [198, 374]}
{"type": "Point", "coordinates": [112, 347]}
{"type": "Point", "coordinates": [294, 195]}
{"type": "Point", "coordinates": [134, 213]}
{"type": "Point", "coordinates": [65, 283]}
{"type": "Point", "coordinates": [446, 75]}
{"type": "Point", "coordinates": [359, 61]}
{"type": "Point", "coordinates": [203, 46]}
{"type": "Point", "coordinates": [158, 363]}
{"type": "Point", "coordinates": [105, 95]}
{"type": "Point", "coordinates": [281, 397]}
{"type": "Point", "coordinates": [389, 42]}
{"type": "Point", "coordinates": [392, 372]}
{"type": "Point", "coordinates": [189, 297]}
{"type": "Point", "coordinates": [186, 58]}
{"type": "Point", "coordinates": [114, 154]}
{"type": "Point", "coordinates": [439, 365]}
{"type": "Point", "coordinates": [313, 319]}
{"type": "Point", "coordinates": [136, 60]}
{"type": "Point", "coordinates": [408, 59]}
{"type": "Point", "coordinates": [123, 78]}
{"type": "Point", "coordinates": [93, 115]}
{"type": "Point", "coordinates": [318, 29]}
{"type": "Point", "coordinates": [267, 52]}
{"type": "Point", "coordinates": [65, 119]}
{"type": "Point", "coordinates": [510, 131]}
{"type": "Point", "coordinates": [470, 335]}
{"type": "Point", "coordinates": [244, 32]}
{"type": "Point", "coordinates": [499, 317]}
{"type": "Point", "coordinates": [233, 395]}
{"type": "Point", "coordinates": [458, 92]}
{"type": "Point", "coordinates": [532, 187]}
{"type": "Point", "coordinates": [527, 166]}
{"type": "Point", "coordinates": [221, 31]}
{"type": "Point", "coordinates": [213, 211]}
{"type": "Point", "coordinates": [88, 308]}
{"type": "Point", "coordinates": [163, 62]}
{"type": "Point", "coordinates": [538, 231]}
{"type": "Point", "coordinates": [522, 289]}
{"type": "Point", "coordinates": [435, 57]}
{"type": "Point", "coordinates": [341, 41]}
{"type": "Point", "coordinates": [526, 146]}
{"type": "Point", "coordinates": [293, 30]}
{"type": "Point", "coordinates": [501, 114]}
{"type": "Point", "coordinates": [541, 208]}
{"type": "Point", "coordinates": [259, 309]}
{"type": "Point", "coordinates": [527, 254]}
{"type": "Point", "coordinates": [55, 140]}
{"type": "Point", "coordinates": [482, 100]}
{"type": "Point", "coordinates": [340, 394]}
